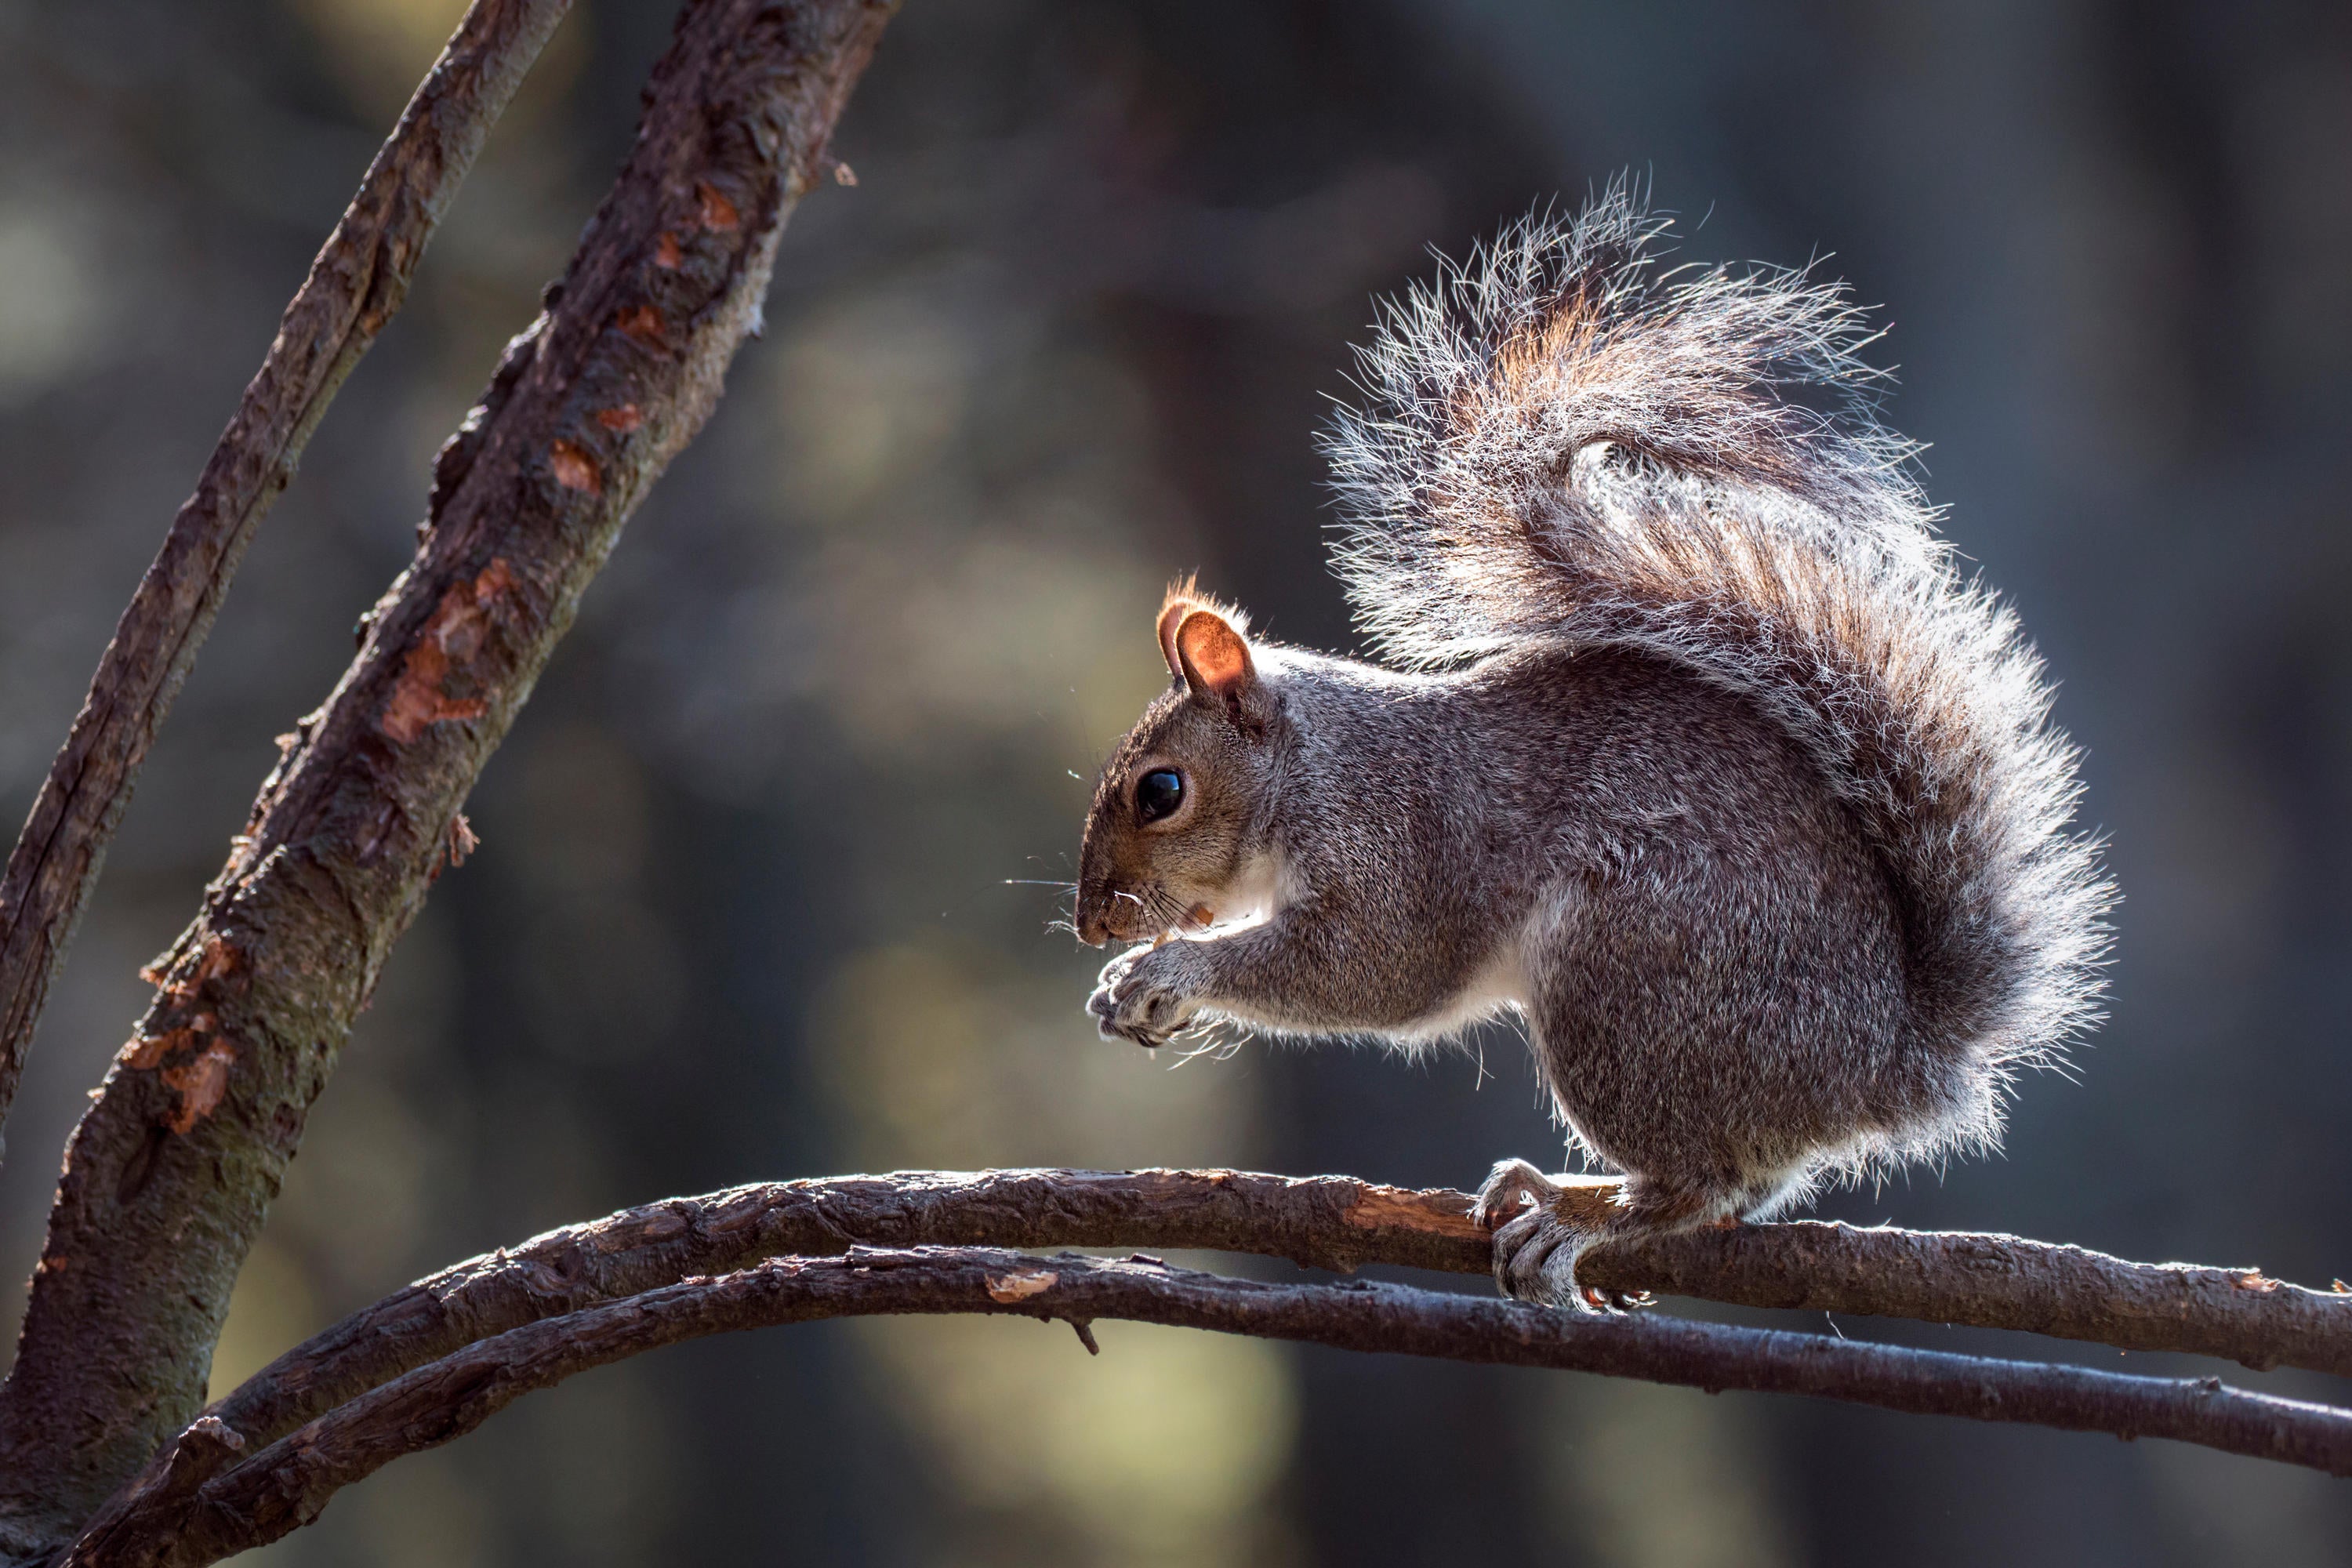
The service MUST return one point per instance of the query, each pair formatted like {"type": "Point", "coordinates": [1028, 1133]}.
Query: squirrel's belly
{"type": "Point", "coordinates": [1498, 988]}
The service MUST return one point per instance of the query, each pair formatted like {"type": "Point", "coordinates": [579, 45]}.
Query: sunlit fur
{"type": "Point", "coordinates": [1560, 442]}
{"type": "Point", "coordinates": [1692, 749]}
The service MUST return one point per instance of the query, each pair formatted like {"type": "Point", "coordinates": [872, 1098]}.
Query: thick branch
{"type": "Point", "coordinates": [1329, 1222]}
{"type": "Point", "coordinates": [287, 1484]}
{"type": "Point", "coordinates": [355, 285]}
{"type": "Point", "coordinates": [171, 1171]}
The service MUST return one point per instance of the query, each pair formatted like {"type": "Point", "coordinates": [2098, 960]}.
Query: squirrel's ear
{"type": "Point", "coordinates": [1213, 658]}
{"type": "Point", "coordinates": [1169, 618]}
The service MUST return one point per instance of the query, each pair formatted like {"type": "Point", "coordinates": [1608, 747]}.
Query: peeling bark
{"type": "Point", "coordinates": [170, 1171]}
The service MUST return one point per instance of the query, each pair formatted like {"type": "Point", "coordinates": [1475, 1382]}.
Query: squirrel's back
{"type": "Point", "coordinates": [1562, 441]}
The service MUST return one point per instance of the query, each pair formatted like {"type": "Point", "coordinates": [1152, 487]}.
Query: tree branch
{"type": "Point", "coordinates": [1326, 1222]}
{"type": "Point", "coordinates": [287, 1484]}
{"type": "Point", "coordinates": [355, 287]}
{"type": "Point", "coordinates": [170, 1173]}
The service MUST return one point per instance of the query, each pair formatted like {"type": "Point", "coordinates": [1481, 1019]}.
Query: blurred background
{"type": "Point", "coordinates": [758, 890]}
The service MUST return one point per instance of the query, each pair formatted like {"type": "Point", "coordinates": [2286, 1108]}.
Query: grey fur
{"type": "Point", "coordinates": [1697, 754]}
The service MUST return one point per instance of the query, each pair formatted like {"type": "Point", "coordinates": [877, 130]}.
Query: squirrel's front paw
{"type": "Point", "coordinates": [1539, 1236]}
{"type": "Point", "coordinates": [1142, 997]}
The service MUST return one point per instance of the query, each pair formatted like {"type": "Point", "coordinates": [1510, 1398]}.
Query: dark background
{"type": "Point", "coordinates": [741, 908]}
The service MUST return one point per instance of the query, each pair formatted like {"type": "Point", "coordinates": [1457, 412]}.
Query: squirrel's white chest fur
{"type": "Point", "coordinates": [1498, 988]}
{"type": "Point", "coordinates": [1267, 883]}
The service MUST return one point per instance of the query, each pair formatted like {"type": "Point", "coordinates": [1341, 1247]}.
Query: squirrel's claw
{"type": "Point", "coordinates": [1509, 1187]}
{"type": "Point", "coordinates": [1535, 1260]}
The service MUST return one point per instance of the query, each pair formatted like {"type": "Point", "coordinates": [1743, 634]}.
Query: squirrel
{"type": "Point", "coordinates": [1691, 749]}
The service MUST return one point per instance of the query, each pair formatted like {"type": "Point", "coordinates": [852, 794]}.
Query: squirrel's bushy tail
{"type": "Point", "coordinates": [1563, 440]}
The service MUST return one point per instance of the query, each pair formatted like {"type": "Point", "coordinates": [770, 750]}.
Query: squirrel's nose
{"type": "Point", "coordinates": [1093, 921]}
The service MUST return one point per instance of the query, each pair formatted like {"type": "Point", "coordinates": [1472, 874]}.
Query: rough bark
{"type": "Point", "coordinates": [288, 1483]}
{"type": "Point", "coordinates": [1325, 1222]}
{"type": "Point", "coordinates": [355, 287]}
{"type": "Point", "coordinates": [170, 1172]}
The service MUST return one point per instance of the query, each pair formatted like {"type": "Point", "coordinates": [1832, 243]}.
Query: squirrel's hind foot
{"type": "Point", "coordinates": [1542, 1225]}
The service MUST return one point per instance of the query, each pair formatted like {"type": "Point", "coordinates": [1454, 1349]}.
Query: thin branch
{"type": "Point", "coordinates": [172, 1170]}
{"type": "Point", "coordinates": [287, 1484]}
{"type": "Point", "coordinates": [355, 287]}
{"type": "Point", "coordinates": [1325, 1222]}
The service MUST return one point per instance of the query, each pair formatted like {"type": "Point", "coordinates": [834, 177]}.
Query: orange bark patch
{"type": "Point", "coordinates": [146, 1053]}
{"type": "Point", "coordinates": [220, 958]}
{"type": "Point", "coordinates": [217, 961]}
{"type": "Point", "coordinates": [448, 643]}
{"type": "Point", "coordinates": [201, 1084]}
{"type": "Point", "coordinates": [1009, 1287]}
{"type": "Point", "coordinates": [642, 322]}
{"type": "Point", "coordinates": [718, 212]}
{"type": "Point", "coordinates": [1383, 1208]}
{"type": "Point", "coordinates": [666, 254]}
{"type": "Point", "coordinates": [621, 420]}
{"type": "Point", "coordinates": [573, 468]}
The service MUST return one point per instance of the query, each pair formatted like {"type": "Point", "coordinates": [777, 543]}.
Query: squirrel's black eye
{"type": "Point", "coordinates": [1159, 792]}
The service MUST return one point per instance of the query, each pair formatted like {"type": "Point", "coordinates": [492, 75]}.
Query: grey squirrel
{"type": "Point", "coordinates": [1693, 750]}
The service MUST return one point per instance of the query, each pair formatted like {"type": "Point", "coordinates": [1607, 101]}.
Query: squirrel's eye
{"type": "Point", "coordinates": [1159, 792]}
